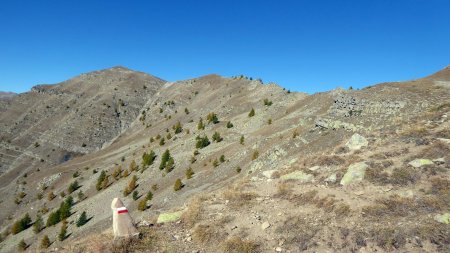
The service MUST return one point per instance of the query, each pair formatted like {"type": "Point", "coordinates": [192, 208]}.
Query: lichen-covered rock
{"type": "Point", "coordinates": [417, 163]}
{"type": "Point", "coordinates": [298, 175]}
{"type": "Point", "coordinates": [169, 217]}
{"type": "Point", "coordinates": [269, 173]}
{"type": "Point", "coordinates": [332, 178]}
{"type": "Point", "coordinates": [443, 218]}
{"type": "Point", "coordinates": [355, 173]}
{"type": "Point", "coordinates": [356, 142]}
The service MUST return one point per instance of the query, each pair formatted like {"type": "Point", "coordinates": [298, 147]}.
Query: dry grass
{"type": "Point", "coordinates": [284, 190]}
{"type": "Point", "coordinates": [238, 197]}
{"type": "Point", "coordinates": [237, 245]}
{"type": "Point", "coordinates": [397, 206]}
{"type": "Point", "coordinates": [299, 232]}
{"type": "Point", "coordinates": [328, 203]}
{"type": "Point", "coordinates": [435, 150]}
{"type": "Point", "coordinates": [208, 233]}
{"type": "Point", "coordinates": [194, 212]}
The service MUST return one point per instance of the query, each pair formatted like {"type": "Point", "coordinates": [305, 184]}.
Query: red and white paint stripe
{"type": "Point", "coordinates": [122, 210]}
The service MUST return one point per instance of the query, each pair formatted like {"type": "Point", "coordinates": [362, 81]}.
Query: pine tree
{"type": "Point", "coordinates": [202, 141]}
{"type": "Point", "coordinates": [241, 141]}
{"type": "Point", "coordinates": [63, 232]}
{"type": "Point", "coordinates": [82, 220]}
{"type": "Point", "coordinates": [22, 246]}
{"type": "Point", "coordinates": [81, 196]}
{"type": "Point", "coordinates": [148, 159]}
{"type": "Point", "coordinates": [105, 183]}
{"type": "Point", "coordinates": [222, 158]}
{"type": "Point", "coordinates": [178, 185]}
{"type": "Point", "coordinates": [142, 205]}
{"type": "Point", "coordinates": [200, 125]}
{"type": "Point", "coordinates": [212, 117]}
{"type": "Point", "coordinates": [251, 113]}
{"type": "Point", "coordinates": [149, 196]}
{"type": "Point", "coordinates": [186, 110]}
{"type": "Point", "coordinates": [189, 173]}
{"type": "Point", "coordinates": [73, 187]}
{"type": "Point", "coordinates": [162, 142]}
{"type": "Point", "coordinates": [164, 159]}
{"type": "Point", "coordinates": [229, 124]}
{"type": "Point", "coordinates": [100, 180]}
{"type": "Point", "coordinates": [45, 242]}
{"type": "Point", "coordinates": [135, 195]}
{"type": "Point", "coordinates": [38, 224]}
{"type": "Point", "coordinates": [133, 166]}
{"type": "Point", "coordinates": [170, 165]}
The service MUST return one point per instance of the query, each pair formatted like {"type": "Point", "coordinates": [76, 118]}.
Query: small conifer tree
{"type": "Point", "coordinates": [82, 220]}
{"type": "Point", "coordinates": [45, 242]}
{"type": "Point", "coordinates": [251, 113]}
{"type": "Point", "coordinates": [178, 185]}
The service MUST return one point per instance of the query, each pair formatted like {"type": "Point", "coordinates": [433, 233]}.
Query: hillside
{"type": "Point", "coordinates": [271, 177]}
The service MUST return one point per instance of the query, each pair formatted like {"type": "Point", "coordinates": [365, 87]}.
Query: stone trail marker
{"type": "Point", "coordinates": [122, 222]}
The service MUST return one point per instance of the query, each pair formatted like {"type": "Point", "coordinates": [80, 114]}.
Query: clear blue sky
{"type": "Point", "coordinates": [303, 45]}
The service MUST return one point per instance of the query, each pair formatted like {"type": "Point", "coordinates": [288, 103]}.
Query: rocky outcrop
{"type": "Point", "coordinates": [355, 173]}
{"type": "Point", "coordinates": [356, 142]}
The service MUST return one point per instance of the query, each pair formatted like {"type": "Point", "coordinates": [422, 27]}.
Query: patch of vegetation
{"type": "Point", "coordinates": [236, 244]}
{"type": "Point", "coordinates": [148, 159]}
{"type": "Point", "coordinates": [202, 142]}
{"type": "Point", "coordinates": [178, 185]}
{"type": "Point", "coordinates": [251, 113]}
{"type": "Point", "coordinates": [177, 128]}
{"type": "Point", "coordinates": [216, 137]}
{"type": "Point", "coordinates": [255, 154]}
{"type": "Point", "coordinates": [242, 140]}
{"type": "Point", "coordinates": [200, 125]}
{"type": "Point", "coordinates": [82, 219]}
{"type": "Point", "coordinates": [189, 173]}
{"type": "Point", "coordinates": [38, 224]}
{"type": "Point", "coordinates": [45, 242]}
{"type": "Point", "coordinates": [229, 124]}
{"type": "Point", "coordinates": [267, 102]}
{"type": "Point", "coordinates": [131, 186]}
{"type": "Point", "coordinates": [21, 224]}
{"type": "Point", "coordinates": [212, 118]}
{"type": "Point", "coordinates": [73, 187]}
{"type": "Point", "coordinates": [63, 231]}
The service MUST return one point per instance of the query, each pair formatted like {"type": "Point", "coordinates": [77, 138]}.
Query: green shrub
{"type": "Point", "coordinates": [242, 140]}
{"type": "Point", "coordinates": [186, 110]}
{"type": "Point", "coordinates": [170, 165]}
{"type": "Point", "coordinates": [135, 195]}
{"type": "Point", "coordinates": [168, 136]}
{"type": "Point", "coordinates": [202, 142]}
{"type": "Point", "coordinates": [178, 185]}
{"type": "Point", "coordinates": [238, 169]}
{"type": "Point", "coordinates": [76, 174]}
{"type": "Point", "coordinates": [215, 163]}
{"type": "Point", "coordinates": [222, 158]}
{"type": "Point", "coordinates": [267, 102]}
{"type": "Point", "coordinates": [81, 195]}
{"type": "Point", "coordinates": [229, 124]}
{"type": "Point", "coordinates": [178, 128]}
{"type": "Point", "coordinates": [212, 117]}
{"type": "Point", "coordinates": [251, 113]}
{"type": "Point", "coordinates": [269, 122]}
{"type": "Point", "coordinates": [216, 137]}
{"type": "Point", "coordinates": [162, 142]}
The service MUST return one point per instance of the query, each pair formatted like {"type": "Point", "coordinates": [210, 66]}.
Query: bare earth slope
{"type": "Point", "coordinates": [248, 200]}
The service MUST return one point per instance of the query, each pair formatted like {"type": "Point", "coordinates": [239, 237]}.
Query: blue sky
{"type": "Point", "coordinates": [303, 45]}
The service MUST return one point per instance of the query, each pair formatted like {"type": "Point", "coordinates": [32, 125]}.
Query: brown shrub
{"type": "Point", "coordinates": [237, 245]}
{"type": "Point", "coordinates": [376, 176]}
{"type": "Point", "coordinates": [404, 176]}
{"type": "Point", "coordinates": [238, 197]}
{"type": "Point", "coordinates": [435, 150]}
{"type": "Point", "coordinates": [299, 232]}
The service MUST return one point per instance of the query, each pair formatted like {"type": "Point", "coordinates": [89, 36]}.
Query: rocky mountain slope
{"type": "Point", "coordinates": [278, 171]}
